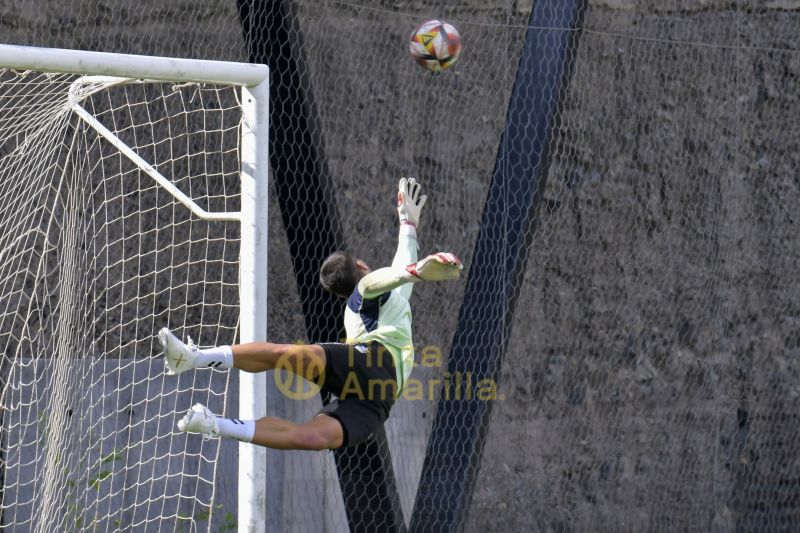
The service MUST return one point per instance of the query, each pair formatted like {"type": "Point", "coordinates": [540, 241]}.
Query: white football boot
{"type": "Point", "coordinates": [178, 356]}
{"type": "Point", "coordinates": [201, 420]}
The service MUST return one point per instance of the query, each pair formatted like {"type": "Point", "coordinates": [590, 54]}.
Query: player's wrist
{"type": "Point", "coordinates": [405, 219]}
{"type": "Point", "coordinates": [408, 230]}
{"type": "Point", "coordinates": [410, 273]}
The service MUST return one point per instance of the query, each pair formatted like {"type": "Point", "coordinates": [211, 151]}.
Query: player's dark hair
{"type": "Point", "coordinates": [339, 274]}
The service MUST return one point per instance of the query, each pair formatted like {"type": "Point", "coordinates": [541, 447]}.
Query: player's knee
{"type": "Point", "coordinates": [312, 439]}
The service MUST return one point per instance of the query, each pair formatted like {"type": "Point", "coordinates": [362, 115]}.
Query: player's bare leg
{"type": "Point", "coordinates": [306, 360]}
{"type": "Point", "coordinates": [320, 433]}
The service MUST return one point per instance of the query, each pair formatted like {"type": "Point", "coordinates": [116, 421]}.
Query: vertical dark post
{"type": "Point", "coordinates": [297, 159]}
{"type": "Point", "coordinates": [459, 430]}
{"type": "Point", "coordinates": [305, 194]}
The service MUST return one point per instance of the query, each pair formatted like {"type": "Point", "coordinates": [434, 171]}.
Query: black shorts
{"type": "Point", "coordinates": [363, 379]}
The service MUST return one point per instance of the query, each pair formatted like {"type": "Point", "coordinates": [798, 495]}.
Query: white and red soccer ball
{"type": "Point", "coordinates": [435, 45]}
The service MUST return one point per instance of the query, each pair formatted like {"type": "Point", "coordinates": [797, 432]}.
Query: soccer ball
{"type": "Point", "coordinates": [435, 45]}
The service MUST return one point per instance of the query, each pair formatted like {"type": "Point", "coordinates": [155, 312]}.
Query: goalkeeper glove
{"type": "Point", "coordinates": [409, 201]}
{"type": "Point", "coordinates": [436, 267]}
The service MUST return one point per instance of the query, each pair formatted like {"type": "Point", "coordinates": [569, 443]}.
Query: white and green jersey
{"type": "Point", "coordinates": [386, 318]}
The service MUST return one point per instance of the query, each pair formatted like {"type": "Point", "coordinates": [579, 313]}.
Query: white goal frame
{"type": "Point", "coordinates": [254, 157]}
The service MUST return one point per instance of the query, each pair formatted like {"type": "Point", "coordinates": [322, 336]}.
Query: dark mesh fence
{"type": "Point", "coordinates": [651, 377]}
{"type": "Point", "coordinates": [653, 370]}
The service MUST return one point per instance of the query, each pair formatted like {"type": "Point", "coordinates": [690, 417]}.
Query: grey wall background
{"type": "Point", "coordinates": [652, 377]}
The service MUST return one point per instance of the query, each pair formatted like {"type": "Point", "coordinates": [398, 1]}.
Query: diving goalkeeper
{"type": "Point", "coordinates": [366, 373]}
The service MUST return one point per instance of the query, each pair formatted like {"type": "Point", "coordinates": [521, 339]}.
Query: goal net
{"type": "Point", "coordinates": [95, 256]}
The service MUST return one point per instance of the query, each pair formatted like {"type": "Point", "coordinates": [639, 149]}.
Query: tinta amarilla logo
{"type": "Point", "coordinates": [299, 375]}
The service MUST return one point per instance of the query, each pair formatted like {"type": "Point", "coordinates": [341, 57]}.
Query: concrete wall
{"type": "Point", "coordinates": [94, 445]}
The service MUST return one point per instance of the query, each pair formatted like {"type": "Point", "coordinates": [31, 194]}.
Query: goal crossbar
{"type": "Point", "coordinates": [131, 66]}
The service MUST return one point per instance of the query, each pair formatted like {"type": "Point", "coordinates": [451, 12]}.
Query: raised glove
{"type": "Point", "coordinates": [410, 201]}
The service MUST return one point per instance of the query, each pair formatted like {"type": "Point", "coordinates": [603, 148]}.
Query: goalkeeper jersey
{"type": "Point", "coordinates": [387, 318]}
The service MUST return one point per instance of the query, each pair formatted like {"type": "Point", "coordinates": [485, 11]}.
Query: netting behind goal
{"type": "Point", "coordinates": [651, 377]}
{"type": "Point", "coordinates": [95, 257]}
{"type": "Point", "coordinates": [655, 360]}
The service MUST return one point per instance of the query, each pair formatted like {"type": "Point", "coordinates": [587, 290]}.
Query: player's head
{"type": "Point", "coordinates": [341, 272]}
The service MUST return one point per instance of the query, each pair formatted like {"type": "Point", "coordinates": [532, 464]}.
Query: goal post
{"type": "Point", "coordinates": [253, 289]}
{"type": "Point", "coordinates": [81, 75]}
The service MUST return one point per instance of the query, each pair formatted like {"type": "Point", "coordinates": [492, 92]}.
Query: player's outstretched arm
{"type": "Point", "coordinates": [436, 267]}
{"type": "Point", "coordinates": [410, 202]}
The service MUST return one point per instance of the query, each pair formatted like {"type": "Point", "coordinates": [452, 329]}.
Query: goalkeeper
{"type": "Point", "coordinates": [365, 374]}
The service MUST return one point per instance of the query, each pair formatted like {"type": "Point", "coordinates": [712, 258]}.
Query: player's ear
{"type": "Point", "coordinates": [361, 265]}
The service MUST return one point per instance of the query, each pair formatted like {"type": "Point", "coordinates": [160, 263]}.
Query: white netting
{"type": "Point", "coordinates": [95, 257]}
